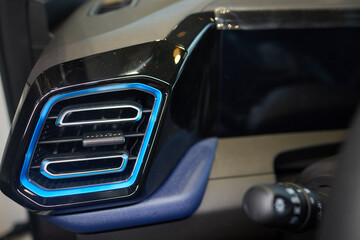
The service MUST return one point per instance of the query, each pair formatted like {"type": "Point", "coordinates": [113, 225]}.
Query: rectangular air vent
{"type": "Point", "coordinates": [91, 140]}
{"type": "Point", "coordinates": [108, 6]}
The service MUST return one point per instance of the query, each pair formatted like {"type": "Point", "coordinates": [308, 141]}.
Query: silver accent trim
{"type": "Point", "coordinates": [95, 139]}
{"type": "Point", "coordinates": [65, 112]}
{"type": "Point", "coordinates": [46, 162]}
{"type": "Point", "coordinates": [288, 16]}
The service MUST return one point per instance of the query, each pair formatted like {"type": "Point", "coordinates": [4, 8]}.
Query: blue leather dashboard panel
{"type": "Point", "coordinates": [178, 197]}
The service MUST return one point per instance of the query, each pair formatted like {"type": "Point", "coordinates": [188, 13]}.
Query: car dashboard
{"type": "Point", "coordinates": [153, 119]}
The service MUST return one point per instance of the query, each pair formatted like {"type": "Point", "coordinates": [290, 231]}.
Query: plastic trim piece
{"type": "Point", "coordinates": [178, 197]}
{"type": "Point", "coordinates": [27, 183]}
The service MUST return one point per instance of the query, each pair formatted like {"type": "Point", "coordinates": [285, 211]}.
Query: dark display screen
{"type": "Point", "coordinates": [275, 81]}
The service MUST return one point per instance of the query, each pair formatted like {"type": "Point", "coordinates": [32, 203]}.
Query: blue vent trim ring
{"type": "Point", "coordinates": [27, 183]}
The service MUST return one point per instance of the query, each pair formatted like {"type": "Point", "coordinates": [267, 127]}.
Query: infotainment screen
{"type": "Point", "coordinates": [275, 81]}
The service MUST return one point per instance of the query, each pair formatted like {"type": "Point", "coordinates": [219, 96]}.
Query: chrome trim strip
{"type": "Point", "coordinates": [286, 17]}
{"type": "Point", "coordinates": [46, 162]}
{"type": "Point", "coordinates": [104, 138]}
{"type": "Point", "coordinates": [60, 120]}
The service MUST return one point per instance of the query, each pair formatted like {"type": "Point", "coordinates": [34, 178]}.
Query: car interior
{"type": "Point", "coordinates": [182, 119]}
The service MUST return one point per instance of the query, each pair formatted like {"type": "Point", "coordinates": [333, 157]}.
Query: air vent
{"type": "Point", "coordinates": [107, 6]}
{"type": "Point", "coordinates": [91, 140]}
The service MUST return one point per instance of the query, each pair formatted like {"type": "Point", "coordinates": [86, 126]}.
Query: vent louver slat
{"type": "Point", "coordinates": [99, 113]}
{"type": "Point", "coordinates": [90, 140]}
{"type": "Point", "coordinates": [79, 166]}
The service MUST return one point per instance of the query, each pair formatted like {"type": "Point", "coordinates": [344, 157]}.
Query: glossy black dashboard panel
{"type": "Point", "coordinates": [170, 68]}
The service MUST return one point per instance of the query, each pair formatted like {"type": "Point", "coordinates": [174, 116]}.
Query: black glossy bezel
{"type": "Point", "coordinates": [163, 65]}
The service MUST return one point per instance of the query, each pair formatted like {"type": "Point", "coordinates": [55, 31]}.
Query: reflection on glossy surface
{"type": "Point", "coordinates": [181, 34]}
{"type": "Point", "coordinates": [176, 55]}
{"type": "Point", "coordinates": [193, 26]}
